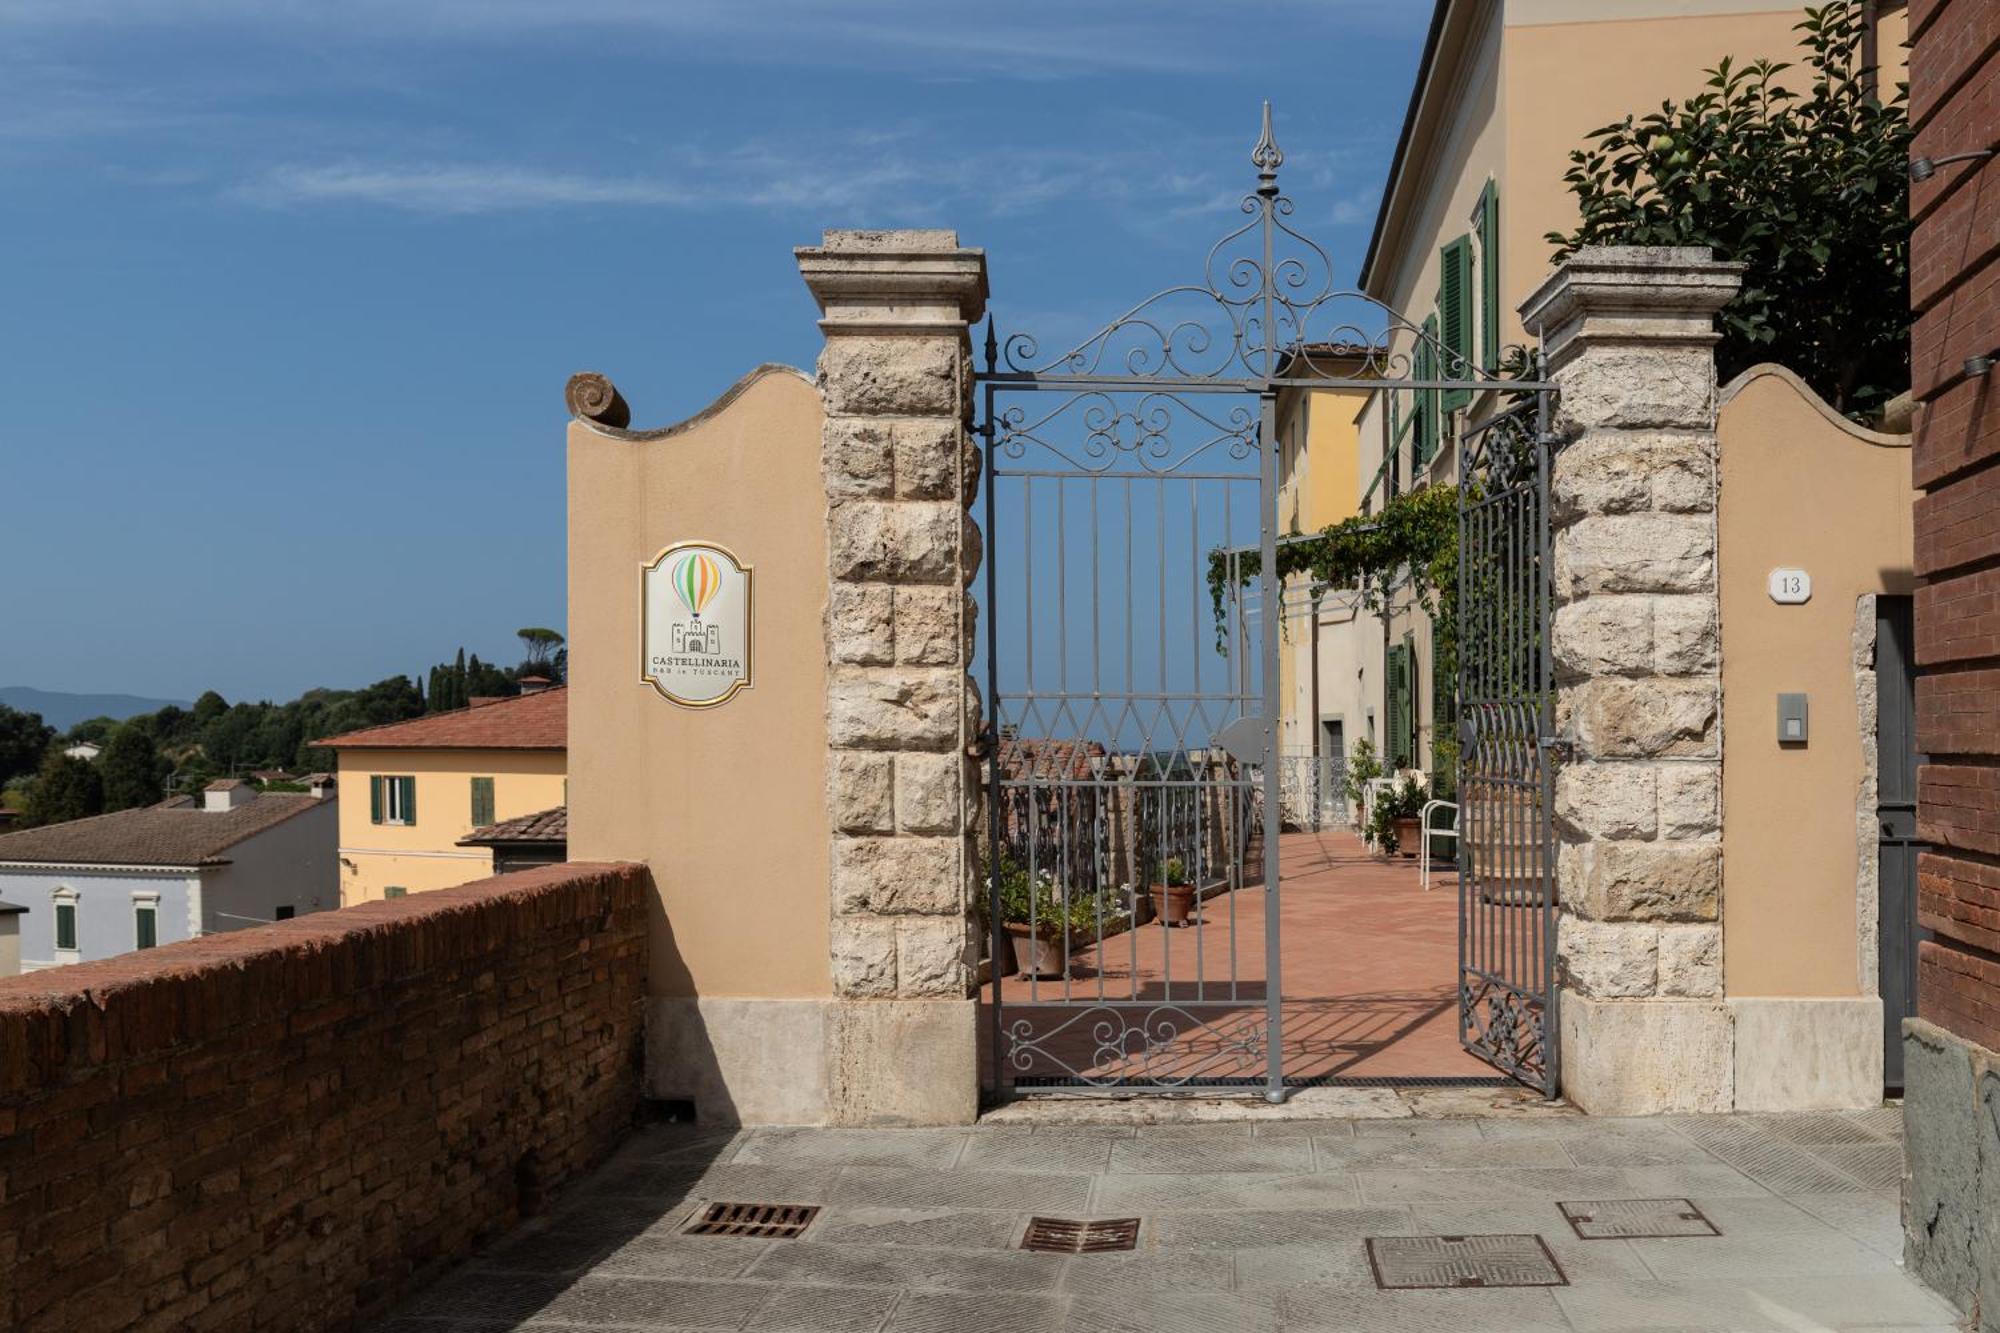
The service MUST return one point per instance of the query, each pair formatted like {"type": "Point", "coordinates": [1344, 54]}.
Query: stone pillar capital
{"type": "Point", "coordinates": [1630, 296]}
{"type": "Point", "coordinates": [879, 283]}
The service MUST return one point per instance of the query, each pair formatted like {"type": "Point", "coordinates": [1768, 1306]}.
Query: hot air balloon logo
{"type": "Point", "coordinates": [696, 581]}
{"type": "Point", "coordinates": [696, 606]}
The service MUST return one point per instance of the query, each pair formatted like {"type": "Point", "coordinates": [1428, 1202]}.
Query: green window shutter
{"type": "Point", "coordinates": [1399, 706]}
{"type": "Point", "coordinates": [482, 802]}
{"type": "Point", "coordinates": [374, 800]}
{"type": "Point", "coordinates": [409, 799]}
{"type": "Point", "coordinates": [1429, 426]}
{"type": "Point", "coordinates": [394, 891]}
{"type": "Point", "coordinates": [65, 925]}
{"type": "Point", "coordinates": [1391, 474]}
{"type": "Point", "coordinates": [146, 927]}
{"type": "Point", "coordinates": [1455, 318]}
{"type": "Point", "coordinates": [1489, 278]}
{"type": "Point", "coordinates": [1409, 718]}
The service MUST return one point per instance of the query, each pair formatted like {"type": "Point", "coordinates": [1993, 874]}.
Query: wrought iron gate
{"type": "Point", "coordinates": [1131, 613]}
{"type": "Point", "coordinates": [1506, 699]}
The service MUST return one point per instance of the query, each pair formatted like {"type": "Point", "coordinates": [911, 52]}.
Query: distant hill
{"type": "Point", "coordinates": [62, 710]}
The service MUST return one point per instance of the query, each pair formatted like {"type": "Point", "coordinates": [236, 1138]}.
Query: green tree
{"type": "Point", "coordinates": [64, 789]}
{"type": "Point", "coordinates": [486, 681]}
{"type": "Point", "coordinates": [24, 739]}
{"type": "Point", "coordinates": [543, 648]}
{"type": "Point", "coordinates": [208, 708]}
{"type": "Point", "coordinates": [129, 769]}
{"type": "Point", "coordinates": [96, 730]}
{"type": "Point", "coordinates": [1810, 192]}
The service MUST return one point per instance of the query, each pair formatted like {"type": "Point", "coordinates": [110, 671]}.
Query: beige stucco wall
{"type": "Point", "coordinates": [726, 804]}
{"type": "Point", "coordinates": [10, 945]}
{"type": "Point", "coordinates": [1800, 489]}
{"type": "Point", "coordinates": [1564, 78]}
{"type": "Point", "coordinates": [426, 855]}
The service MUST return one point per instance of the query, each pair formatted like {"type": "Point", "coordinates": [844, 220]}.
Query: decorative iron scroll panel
{"type": "Point", "coordinates": [1507, 862]}
{"type": "Point", "coordinates": [1130, 512]}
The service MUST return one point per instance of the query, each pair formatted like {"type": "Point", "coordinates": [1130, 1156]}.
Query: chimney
{"type": "Point", "coordinates": [533, 684]}
{"type": "Point", "coordinates": [227, 794]}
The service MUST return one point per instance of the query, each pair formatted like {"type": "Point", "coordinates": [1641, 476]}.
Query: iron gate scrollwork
{"type": "Point", "coordinates": [1131, 611]}
{"type": "Point", "coordinates": [1506, 700]}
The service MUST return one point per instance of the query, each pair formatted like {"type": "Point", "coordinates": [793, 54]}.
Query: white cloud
{"type": "Point", "coordinates": [450, 189]}
{"type": "Point", "coordinates": [1027, 39]}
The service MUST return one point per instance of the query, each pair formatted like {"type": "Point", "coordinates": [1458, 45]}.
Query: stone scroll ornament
{"type": "Point", "coordinates": [696, 624]}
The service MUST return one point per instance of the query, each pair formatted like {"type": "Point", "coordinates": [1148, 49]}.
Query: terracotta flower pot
{"type": "Point", "coordinates": [1407, 834]}
{"type": "Point", "coordinates": [1042, 953]}
{"type": "Point", "coordinates": [1173, 903]}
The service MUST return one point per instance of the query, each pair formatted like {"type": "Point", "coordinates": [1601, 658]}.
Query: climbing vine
{"type": "Point", "coordinates": [1414, 538]}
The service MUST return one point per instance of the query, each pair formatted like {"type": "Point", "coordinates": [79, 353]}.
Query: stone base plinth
{"type": "Point", "coordinates": [1808, 1054]}
{"type": "Point", "coordinates": [1647, 1057]}
{"type": "Point", "coordinates": [815, 1061]}
{"type": "Point", "coordinates": [1951, 1182]}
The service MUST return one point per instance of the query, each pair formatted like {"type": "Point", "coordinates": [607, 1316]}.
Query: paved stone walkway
{"type": "Point", "coordinates": [1253, 1225]}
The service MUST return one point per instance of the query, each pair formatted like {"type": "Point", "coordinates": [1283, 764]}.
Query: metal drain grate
{"type": "Point", "coordinates": [1064, 1235]}
{"type": "Point", "coordinates": [770, 1221]}
{"type": "Point", "coordinates": [1636, 1219]}
{"type": "Point", "coordinates": [1423, 1263]}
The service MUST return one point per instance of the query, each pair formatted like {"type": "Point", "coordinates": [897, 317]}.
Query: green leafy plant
{"type": "Point", "coordinates": [1363, 767]}
{"type": "Point", "coordinates": [1414, 538]}
{"type": "Point", "coordinates": [1054, 908]}
{"type": "Point", "coordinates": [1444, 765]}
{"type": "Point", "coordinates": [1175, 872]}
{"type": "Point", "coordinates": [1405, 800]}
{"type": "Point", "coordinates": [1810, 191]}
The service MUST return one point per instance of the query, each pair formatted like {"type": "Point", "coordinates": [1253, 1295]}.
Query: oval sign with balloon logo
{"type": "Point", "coordinates": [695, 616]}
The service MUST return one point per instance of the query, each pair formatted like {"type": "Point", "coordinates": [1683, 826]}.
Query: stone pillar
{"type": "Point", "coordinates": [1629, 337]}
{"type": "Point", "coordinates": [900, 470]}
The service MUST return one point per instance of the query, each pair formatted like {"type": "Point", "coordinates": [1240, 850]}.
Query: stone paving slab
{"type": "Point", "coordinates": [1247, 1224]}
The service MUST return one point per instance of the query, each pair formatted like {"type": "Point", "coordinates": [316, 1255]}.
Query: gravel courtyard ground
{"type": "Point", "coordinates": [1254, 1224]}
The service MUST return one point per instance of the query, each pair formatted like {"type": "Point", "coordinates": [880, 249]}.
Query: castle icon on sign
{"type": "Point", "coordinates": [694, 637]}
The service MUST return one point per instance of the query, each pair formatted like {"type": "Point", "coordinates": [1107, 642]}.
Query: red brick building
{"type": "Point", "coordinates": [1952, 1196]}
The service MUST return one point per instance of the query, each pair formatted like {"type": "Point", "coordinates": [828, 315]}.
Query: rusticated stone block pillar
{"type": "Point", "coordinates": [1629, 336]}
{"type": "Point", "coordinates": [900, 471]}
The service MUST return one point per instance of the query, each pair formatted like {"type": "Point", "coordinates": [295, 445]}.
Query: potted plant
{"type": "Point", "coordinates": [1174, 900]}
{"type": "Point", "coordinates": [1041, 920]}
{"type": "Point", "coordinates": [1394, 827]}
{"type": "Point", "coordinates": [1362, 768]}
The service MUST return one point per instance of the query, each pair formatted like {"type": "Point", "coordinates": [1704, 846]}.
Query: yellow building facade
{"type": "Point", "coordinates": [1505, 90]}
{"type": "Point", "coordinates": [419, 787]}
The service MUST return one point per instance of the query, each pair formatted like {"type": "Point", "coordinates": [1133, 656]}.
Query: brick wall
{"type": "Point", "coordinates": [1955, 294]}
{"type": "Point", "coordinates": [293, 1126]}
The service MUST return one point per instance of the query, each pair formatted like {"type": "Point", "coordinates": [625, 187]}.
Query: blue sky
{"type": "Point", "coordinates": [291, 289]}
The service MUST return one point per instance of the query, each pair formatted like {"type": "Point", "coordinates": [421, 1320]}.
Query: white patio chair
{"type": "Point", "coordinates": [1426, 833]}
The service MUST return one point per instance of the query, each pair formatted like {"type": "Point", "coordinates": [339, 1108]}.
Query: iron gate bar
{"type": "Point", "coordinates": [1128, 778]}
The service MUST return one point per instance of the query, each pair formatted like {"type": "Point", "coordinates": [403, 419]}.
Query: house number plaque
{"type": "Point", "coordinates": [1790, 587]}
{"type": "Point", "coordinates": [695, 624]}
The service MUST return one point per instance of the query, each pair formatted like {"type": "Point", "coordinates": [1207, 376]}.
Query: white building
{"type": "Point", "coordinates": [184, 868]}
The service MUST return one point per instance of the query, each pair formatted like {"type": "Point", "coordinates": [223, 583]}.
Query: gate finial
{"type": "Point", "coordinates": [1267, 157]}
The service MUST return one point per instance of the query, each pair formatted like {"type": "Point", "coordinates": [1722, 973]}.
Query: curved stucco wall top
{"type": "Point", "coordinates": [1801, 488]}
{"type": "Point", "coordinates": [725, 804]}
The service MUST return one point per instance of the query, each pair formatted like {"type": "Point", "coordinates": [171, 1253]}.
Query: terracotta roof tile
{"type": "Point", "coordinates": [153, 835]}
{"type": "Point", "coordinates": [542, 826]}
{"type": "Point", "coordinates": [1037, 757]}
{"type": "Point", "coordinates": [524, 722]}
